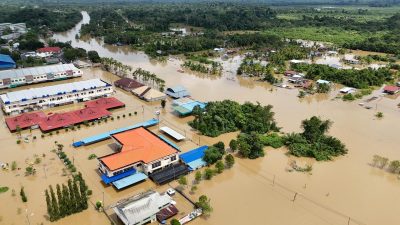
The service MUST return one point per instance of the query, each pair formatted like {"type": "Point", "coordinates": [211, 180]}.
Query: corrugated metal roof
{"type": "Point", "coordinates": [16, 96]}
{"type": "Point", "coordinates": [40, 70]}
{"type": "Point", "coordinates": [6, 58]}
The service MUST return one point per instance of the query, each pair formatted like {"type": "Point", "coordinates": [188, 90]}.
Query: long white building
{"type": "Point", "coordinates": [31, 75]}
{"type": "Point", "coordinates": [40, 98]}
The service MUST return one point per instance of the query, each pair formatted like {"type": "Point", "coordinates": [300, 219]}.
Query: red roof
{"type": "Point", "coordinates": [138, 145]}
{"type": "Point", "coordinates": [94, 110]}
{"type": "Point", "coordinates": [105, 103]}
{"type": "Point", "coordinates": [24, 120]}
{"type": "Point", "coordinates": [49, 49]}
{"type": "Point", "coordinates": [60, 120]}
{"type": "Point", "coordinates": [391, 88]}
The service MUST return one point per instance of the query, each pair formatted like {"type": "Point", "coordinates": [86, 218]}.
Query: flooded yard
{"type": "Point", "coordinates": [255, 192]}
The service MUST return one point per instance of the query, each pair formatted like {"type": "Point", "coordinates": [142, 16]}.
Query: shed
{"type": "Point", "coordinates": [6, 62]}
{"type": "Point", "coordinates": [177, 92]}
{"type": "Point", "coordinates": [347, 90]}
{"type": "Point", "coordinates": [391, 89]}
{"type": "Point", "coordinates": [127, 84]}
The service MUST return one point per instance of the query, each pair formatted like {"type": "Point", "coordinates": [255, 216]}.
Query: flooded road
{"type": "Point", "coordinates": [254, 191]}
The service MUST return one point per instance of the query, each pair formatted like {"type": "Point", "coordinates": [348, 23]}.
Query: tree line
{"type": "Point", "coordinates": [68, 199]}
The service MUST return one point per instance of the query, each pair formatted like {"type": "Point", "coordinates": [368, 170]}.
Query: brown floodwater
{"type": "Point", "coordinates": [252, 192]}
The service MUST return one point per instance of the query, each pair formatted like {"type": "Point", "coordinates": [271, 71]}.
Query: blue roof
{"type": "Point", "coordinates": [6, 59]}
{"type": "Point", "coordinates": [177, 88]}
{"type": "Point", "coordinates": [6, 62]}
{"type": "Point", "coordinates": [106, 135]}
{"type": "Point", "coordinates": [196, 164]}
{"type": "Point", "coordinates": [193, 154]}
{"type": "Point", "coordinates": [129, 180]}
{"type": "Point", "coordinates": [108, 180]}
{"type": "Point", "coordinates": [169, 142]}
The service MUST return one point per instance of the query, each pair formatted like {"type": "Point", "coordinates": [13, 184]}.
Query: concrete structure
{"type": "Point", "coordinates": [31, 75]}
{"type": "Point", "coordinates": [41, 98]}
{"type": "Point", "coordinates": [149, 94]}
{"type": "Point", "coordinates": [138, 149]}
{"type": "Point", "coordinates": [347, 90]}
{"type": "Point", "coordinates": [177, 92]}
{"type": "Point", "coordinates": [6, 62]}
{"type": "Point", "coordinates": [142, 208]}
{"type": "Point", "coordinates": [350, 59]}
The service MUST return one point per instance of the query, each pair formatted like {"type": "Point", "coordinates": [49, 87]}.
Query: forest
{"type": "Point", "coordinates": [56, 21]}
{"type": "Point", "coordinates": [214, 24]}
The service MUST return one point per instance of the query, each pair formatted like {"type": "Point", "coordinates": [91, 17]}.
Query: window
{"type": "Point", "coordinates": [155, 165]}
{"type": "Point", "coordinates": [173, 158]}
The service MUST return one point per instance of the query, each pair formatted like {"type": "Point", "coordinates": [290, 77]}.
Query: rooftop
{"type": "Point", "coordinates": [105, 103]}
{"type": "Point", "coordinates": [49, 49]}
{"type": "Point", "coordinates": [41, 92]}
{"type": "Point", "coordinates": [6, 59]}
{"type": "Point", "coordinates": [140, 207]}
{"type": "Point", "coordinates": [127, 83]}
{"type": "Point", "coordinates": [138, 145]}
{"type": "Point", "coordinates": [38, 70]}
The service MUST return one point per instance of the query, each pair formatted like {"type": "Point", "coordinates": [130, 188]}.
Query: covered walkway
{"type": "Point", "coordinates": [107, 135]}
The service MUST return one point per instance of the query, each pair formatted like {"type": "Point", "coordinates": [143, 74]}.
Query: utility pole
{"type": "Point", "coordinates": [294, 198]}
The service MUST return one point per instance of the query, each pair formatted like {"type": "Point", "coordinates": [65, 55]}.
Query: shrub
{"type": "Point", "coordinates": [130, 114]}
{"type": "Point", "coordinates": [66, 129]}
{"type": "Point", "coordinates": [348, 97]}
{"type": "Point", "coordinates": [208, 173]}
{"type": "Point", "coordinates": [233, 145]}
{"type": "Point", "coordinates": [212, 155]}
{"type": "Point", "coordinates": [273, 140]}
{"type": "Point", "coordinates": [219, 166]}
{"type": "Point", "coordinates": [92, 156]}
{"type": "Point", "coordinates": [51, 134]}
{"type": "Point", "coordinates": [89, 192]}
{"type": "Point", "coordinates": [123, 115]}
{"type": "Point", "coordinates": [42, 135]}
{"type": "Point", "coordinates": [23, 195]}
{"type": "Point", "coordinates": [229, 161]}
{"type": "Point", "coordinates": [14, 165]}
{"type": "Point", "coordinates": [135, 113]}
{"type": "Point", "coordinates": [18, 142]}
{"type": "Point", "coordinates": [34, 137]}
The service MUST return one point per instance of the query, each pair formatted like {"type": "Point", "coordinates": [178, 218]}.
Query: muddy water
{"type": "Point", "coordinates": [254, 191]}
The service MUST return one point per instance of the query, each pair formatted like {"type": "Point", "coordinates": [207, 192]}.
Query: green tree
{"type": "Point", "coordinates": [314, 128]}
{"type": "Point", "coordinates": [204, 204]}
{"type": "Point", "coordinates": [208, 173]}
{"type": "Point", "coordinates": [61, 203]}
{"type": "Point", "coordinates": [233, 145]}
{"type": "Point", "coordinates": [94, 56]}
{"type": "Point", "coordinates": [163, 103]}
{"type": "Point", "coordinates": [49, 206]}
{"type": "Point", "coordinates": [198, 176]}
{"type": "Point", "coordinates": [212, 155]}
{"type": "Point", "coordinates": [175, 222]}
{"type": "Point", "coordinates": [182, 181]}
{"type": "Point", "coordinates": [23, 195]}
{"type": "Point", "coordinates": [219, 166]}
{"type": "Point", "coordinates": [394, 166]}
{"type": "Point", "coordinates": [229, 161]}
{"type": "Point", "coordinates": [54, 204]}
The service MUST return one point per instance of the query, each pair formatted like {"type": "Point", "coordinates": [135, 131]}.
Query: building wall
{"type": "Point", "coordinates": [40, 78]}
{"type": "Point", "coordinates": [55, 100]}
{"type": "Point", "coordinates": [141, 167]}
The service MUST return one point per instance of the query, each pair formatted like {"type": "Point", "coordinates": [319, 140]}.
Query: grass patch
{"type": "Point", "coordinates": [3, 189]}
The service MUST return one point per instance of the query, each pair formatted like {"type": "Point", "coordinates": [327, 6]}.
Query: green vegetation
{"type": "Point", "coordinates": [23, 195]}
{"type": "Point", "coordinates": [214, 153]}
{"type": "Point", "coordinates": [229, 161]}
{"type": "Point", "coordinates": [204, 204]}
{"type": "Point", "coordinates": [92, 156]}
{"type": "Point", "coordinates": [175, 222]}
{"type": "Point", "coordinates": [364, 78]}
{"type": "Point", "coordinates": [3, 189]}
{"type": "Point", "coordinates": [313, 142]}
{"type": "Point", "coordinates": [71, 198]}
{"type": "Point", "coordinates": [214, 68]}
{"type": "Point", "coordinates": [229, 116]}
{"type": "Point", "coordinates": [43, 18]}
{"type": "Point", "coordinates": [379, 115]}
{"type": "Point", "coordinates": [383, 162]}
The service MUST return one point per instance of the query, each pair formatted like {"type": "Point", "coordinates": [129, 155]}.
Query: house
{"type": "Point", "coordinates": [93, 110]}
{"type": "Point", "coordinates": [139, 152]}
{"type": "Point", "coordinates": [350, 59]}
{"type": "Point", "coordinates": [323, 82]}
{"type": "Point", "coordinates": [49, 50]}
{"type": "Point", "coordinates": [391, 89]}
{"type": "Point", "coordinates": [296, 79]}
{"type": "Point", "coordinates": [127, 84]}
{"type": "Point", "coordinates": [347, 90]}
{"type": "Point", "coordinates": [185, 106]}
{"type": "Point", "coordinates": [50, 96]}
{"type": "Point", "coordinates": [290, 73]}
{"type": "Point", "coordinates": [31, 75]}
{"type": "Point", "coordinates": [6, 62]}
{"type": "Point", "coordinates": [142, 208]}
{"type": "Point", "coordinates": [194, 158]}
{"type": "Point", "coordinates": [149, 94]}
{"type": "Point", "coordinates": [177, 92]}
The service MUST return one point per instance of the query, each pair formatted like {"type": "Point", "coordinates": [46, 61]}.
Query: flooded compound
{"type": "Point", "coordinates": [347, 190]}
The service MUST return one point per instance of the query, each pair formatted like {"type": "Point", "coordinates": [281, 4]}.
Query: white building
{"type": "Point", "coordinates": [138, 149]}
{"type": "Point", "coordinates": [31, 75]}
{"type": "Point", "coordinates": [142, 208]}
{"type": "Point", "coordinates": [40, 98]}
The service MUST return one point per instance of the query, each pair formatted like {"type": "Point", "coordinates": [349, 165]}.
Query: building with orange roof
{"type": "Point", "coordinates": [137, 150]}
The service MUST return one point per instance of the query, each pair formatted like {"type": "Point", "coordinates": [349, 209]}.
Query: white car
{"type": "Point", "coordinates": [171, 191]}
